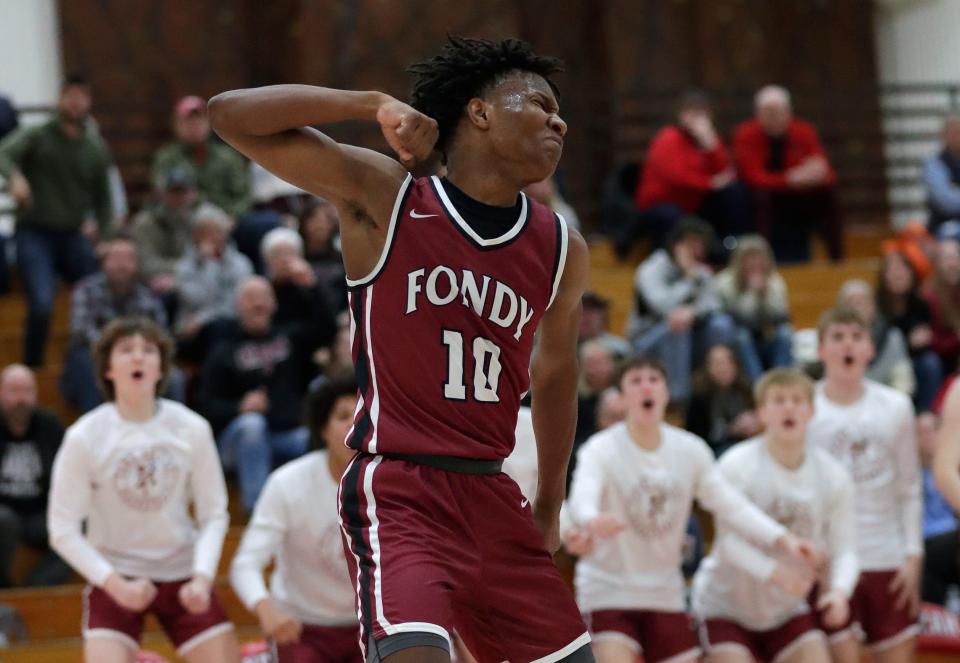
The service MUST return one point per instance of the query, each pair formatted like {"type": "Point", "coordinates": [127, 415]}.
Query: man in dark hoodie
{"type": "Point", "coordinates": [29, 439]}
{"type": "Point", "coordinates": [252, 388]}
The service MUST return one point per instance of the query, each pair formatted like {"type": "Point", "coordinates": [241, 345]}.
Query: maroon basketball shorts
{"type": "Point", "coordinates": [659, 636]}
{"type": "Point", "coordinates": [322, 644]}
{"type": "Point", "coordinates": [105, 618]}
{"type": "Point", "coordinates": [431, 550]}
{"type": "Point", "coordinates": [874, 613]}
{"type": "Point", "coordinates": [717, 635]}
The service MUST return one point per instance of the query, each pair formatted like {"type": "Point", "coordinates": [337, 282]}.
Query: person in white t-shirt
{"type": "Point", "coordinates": [751, 600]}
{"type": "Point", "coordinates": [131, 468]}
{"type": "Point", "coordinates": [308, 611]}
{"type": "Point", "coordinates": [870, 429]}
{"type": "Point", "coordinates": [632, 492]}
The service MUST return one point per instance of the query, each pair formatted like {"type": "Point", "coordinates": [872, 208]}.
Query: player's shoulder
{"type": "Point", "coordinates": [306, 470]}
{"type": "Point", "coordinates": [95, 423]}
{"type": "Point", "coordinates": [742, 456]}
{"type": "Point", "coordinates": [889, 399]}
{"type": "Point", "coordinates": [608, 441]}
{"type": "Point", "coordinates": [683, 439]}
{"type": "Point", "coordinates": [181, 415]}
{"type": "Point", "coordinates": [305, 464]}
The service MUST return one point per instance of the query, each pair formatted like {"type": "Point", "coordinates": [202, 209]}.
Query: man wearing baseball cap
{"type": "Point", "coordinates": [221, 173]}
{"type": "Point", "coordinates": [163, 230]}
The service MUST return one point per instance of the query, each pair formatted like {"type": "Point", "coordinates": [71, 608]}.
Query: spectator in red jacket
{"type": "Point", "coordinates": [793, 185]}
{"type": "Point", "coordinates": [688, 172]}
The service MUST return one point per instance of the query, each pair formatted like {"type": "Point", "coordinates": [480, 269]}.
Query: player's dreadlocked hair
{"type": "Point", "coordinates": [464, 69]}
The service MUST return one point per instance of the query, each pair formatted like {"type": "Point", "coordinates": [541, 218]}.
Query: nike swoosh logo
{"type": "Point", "coordinates": [524, 503]}
{"type": "Point", "coordinates": [413, 214]}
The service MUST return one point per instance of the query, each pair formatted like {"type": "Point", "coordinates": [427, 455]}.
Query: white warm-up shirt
{"type": "Point", "coordinates": [814, 501]}
{"type": "Point", "coordinates": [521, 465]}
{"type": "Point", "coordinates": [134, 482]}
{"type": "Point", "coordinates": [651, 492]}
{"type": "Point", "coordinates": [875, 440]}
{"type": "Point", "coordinates": [295, 522]}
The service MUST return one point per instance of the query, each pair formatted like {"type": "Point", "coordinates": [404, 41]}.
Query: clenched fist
{"type": "Point", "coordinates": [409, 132]}
{"type": "Point", "coordinates": [195, 595]}
{"type": "Point", "coordinates": [134, 595]}
{"type": "Point", "coordinates": [277, 624]}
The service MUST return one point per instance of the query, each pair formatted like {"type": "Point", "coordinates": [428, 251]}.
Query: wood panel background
{"type": "Point", "coordinates": [626, 61]}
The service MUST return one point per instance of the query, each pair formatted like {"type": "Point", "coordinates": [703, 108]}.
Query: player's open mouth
{"type": "Point", "coordinates": [647, 403]}
{"type": "Point", "coordinates": [848, 360]}
{"type": "Point", "coordinates": [789, 423]}
{"type": "Point", "coordinates": [137, 375]}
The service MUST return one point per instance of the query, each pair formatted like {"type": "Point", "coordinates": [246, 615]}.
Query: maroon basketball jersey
{"type": "Point", "coordinates": [442, 328]}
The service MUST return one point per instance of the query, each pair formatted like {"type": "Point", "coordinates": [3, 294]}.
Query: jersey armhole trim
{"type": "Point", "coordinates": [560, 258]}
{"type": "Point", "coordinates": [391, 234]}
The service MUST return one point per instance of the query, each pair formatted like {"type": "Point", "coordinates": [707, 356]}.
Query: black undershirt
{"type": "Point", "coordinates": [488, 221]}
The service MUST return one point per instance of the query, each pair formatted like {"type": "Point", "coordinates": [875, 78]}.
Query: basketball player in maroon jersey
{"type": "Point", "coordinates": [449, 279]}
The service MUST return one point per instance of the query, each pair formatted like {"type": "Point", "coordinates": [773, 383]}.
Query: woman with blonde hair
{"type": "Point", "coordinates": [755, 295]}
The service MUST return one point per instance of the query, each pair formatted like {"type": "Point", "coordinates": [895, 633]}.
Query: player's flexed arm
{"type": "Point", "coordinates": [272, 126]}
{"type": "Point", "coordinates": [554, 382]}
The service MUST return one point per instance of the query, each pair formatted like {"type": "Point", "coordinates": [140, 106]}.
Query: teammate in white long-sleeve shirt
{"type": "Point", "coordinates": [521, 465]}
{"type": "Point", "coordinates": [309, 610]}
{"type": "Point", "coordinates": [869, 428]}
{"type": "Point", "coordinates": [751, 600]}
{"type": "Point", "coordinates": [131, 468]}
{"type": "Point", "coordinates": [632, 490]}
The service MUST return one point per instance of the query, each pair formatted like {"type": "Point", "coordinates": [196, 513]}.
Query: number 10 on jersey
{"type": "Point", "coordinates": [486, 368]}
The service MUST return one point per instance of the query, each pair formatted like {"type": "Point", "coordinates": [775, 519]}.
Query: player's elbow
{"type": "Point", "coordinates": [221, 110]}
{"type": "Point", "coordinates": [555, 373]}
{"type": "Point", "coordinates": [58, 537]}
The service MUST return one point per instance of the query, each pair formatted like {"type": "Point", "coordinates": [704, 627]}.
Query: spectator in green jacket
{"type": "Point", "coordinates": [221, 173]}
{"type": "Point", "coordinates": [163, 231]}
{"type": "Point", "coordinates": [58, 174]}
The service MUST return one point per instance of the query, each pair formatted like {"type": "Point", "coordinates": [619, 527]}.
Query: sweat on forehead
{"type": "Point", "coordinates": [518, 82]}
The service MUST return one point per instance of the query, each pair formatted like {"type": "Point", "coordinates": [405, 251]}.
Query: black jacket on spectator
{"type": "Point", "coordinates": [916, 314]}
{"type": "Point", "coordinates": [26, 463]}
{"type": "Point", "coordinates": [279, 362]}
{"type": "Point", "coordinates": [711, 411]}
{"type": "Point", "coordinates": [331, 276]}
{"type": "Point", "coordinates": [307, 310]}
